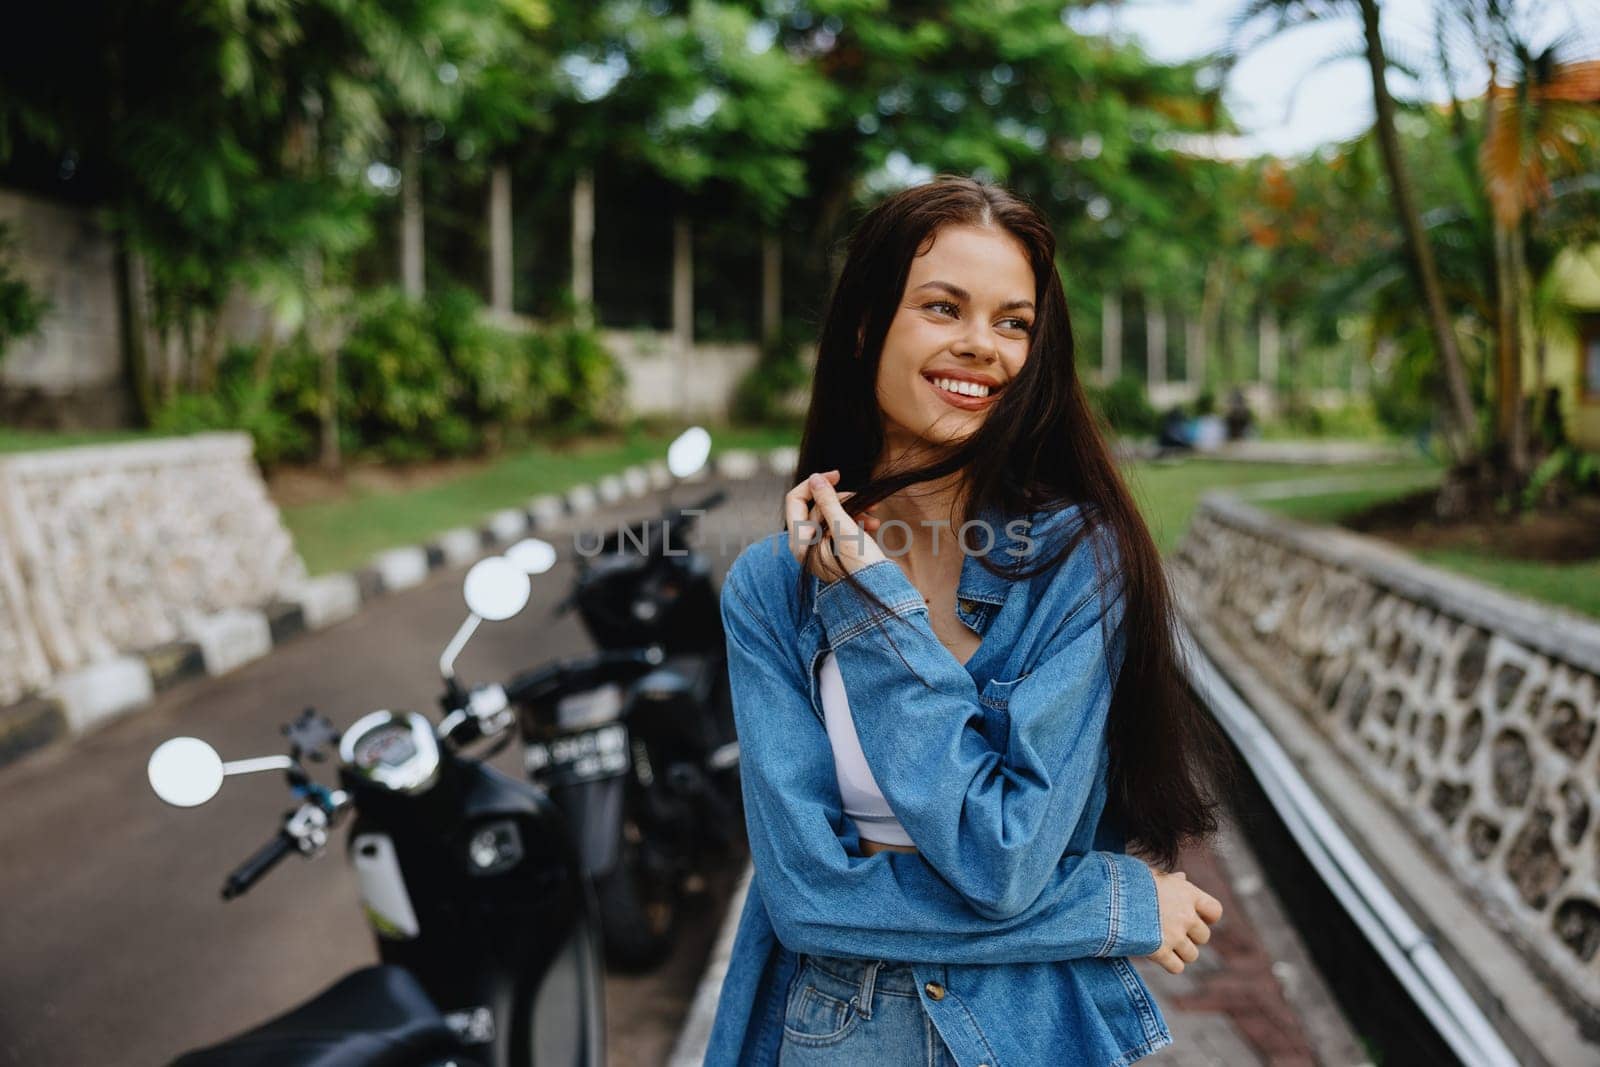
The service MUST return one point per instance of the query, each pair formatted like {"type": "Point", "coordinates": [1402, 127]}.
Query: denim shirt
{"type": "Point", "coordinates": [1021, 907]}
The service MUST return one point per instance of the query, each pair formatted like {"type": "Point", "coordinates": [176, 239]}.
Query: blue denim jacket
{"type": "Point", "coordinates": [1019, 903]}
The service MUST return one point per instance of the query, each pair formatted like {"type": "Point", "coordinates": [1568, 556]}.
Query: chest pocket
{"type": "Point", "coordinates": [995, 699]}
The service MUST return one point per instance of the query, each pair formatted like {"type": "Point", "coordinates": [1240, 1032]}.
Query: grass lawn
{"type": "Point", "coordinates": [1575, 586]}
{"type": "Point", "coordinates": [343, 534]}
{"type": "Point", "coordinates": [1168, 491]}
{"type": "Point", "coordinates": [12, 440]}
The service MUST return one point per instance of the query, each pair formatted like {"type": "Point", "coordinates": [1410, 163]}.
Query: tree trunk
{"type": "Point", "coordinates": [1110, 337]}
{"type": "Point", "coordinates": [411, 263]}
{"type": "Point", "coordinates": [1267, 348]}
{"type": "Point", "coordinates": [583, 246]}
{"type": "Point", "coordinates": [499, 226]}
{"type": "Point", "coordinates": [135, 335]}
{"type": "Point", "coordinates": [1459, 401]}
{"type": "Point", "coordinates": [771, 287]}
{"type": "Point", "coordinates": [1194, 352]}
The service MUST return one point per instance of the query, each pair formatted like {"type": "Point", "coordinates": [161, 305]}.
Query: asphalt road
{"type": "Point", "coordinates": [115, 947]}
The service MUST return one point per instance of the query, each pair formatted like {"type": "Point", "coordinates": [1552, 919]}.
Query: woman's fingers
{"type": "Point", "coordinates": [797, 504]}
{"type": "Point", "coordinates": [1208, 908]}
{"type": "Point", "coordinates": [1200, 933]}
{"type": "Point", "coordinates": [1186, 951]}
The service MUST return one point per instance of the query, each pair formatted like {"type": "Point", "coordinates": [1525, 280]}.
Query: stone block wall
{"type": "Point", "coordinates": [111, 549]}
{"type": "Point", "coordinates": [1472, 712]}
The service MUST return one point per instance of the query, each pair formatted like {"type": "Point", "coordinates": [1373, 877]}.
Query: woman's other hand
{"type": "Point", "coordinates": [1187, 912]}
{"type": "Point", "coordinates": [846, 545]}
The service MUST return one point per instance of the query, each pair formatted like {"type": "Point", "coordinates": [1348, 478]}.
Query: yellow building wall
{"type": "Point", "coordinates": [1574, 283]}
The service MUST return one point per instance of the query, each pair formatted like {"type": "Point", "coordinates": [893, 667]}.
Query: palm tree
{"type": "Point", "coordinates": [1281, 15]}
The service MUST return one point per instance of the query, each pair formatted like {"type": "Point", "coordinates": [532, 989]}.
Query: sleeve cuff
{"type": "Point", "coordinates": [846, 613]}
{"type": "Point", "coordinates": [1135, 910]}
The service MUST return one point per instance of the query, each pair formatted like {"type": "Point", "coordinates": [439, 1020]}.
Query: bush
{"type": "Point", "coordinates": [1125, 407]}
{"type": "Point", "coordinates": [417, 381]}
{"type": "Point", "coordinates": [21, 310]}
{"type": "Point", "coordinates": [762, 396]}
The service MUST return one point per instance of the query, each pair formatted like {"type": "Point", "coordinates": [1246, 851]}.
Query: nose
{"type": "Point", "coordinates": [978, 343]}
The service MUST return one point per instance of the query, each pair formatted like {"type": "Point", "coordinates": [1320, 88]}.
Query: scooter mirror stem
{"type": "Point", "coordinates": [260, 763]}
{"type": "Point", "coordinates": [447, 661]}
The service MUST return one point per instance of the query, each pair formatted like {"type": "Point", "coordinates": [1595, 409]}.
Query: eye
{"type": "Point", "coordinates": [941, 304]}
{"type": "Point", "coordinates": [1021, 324]}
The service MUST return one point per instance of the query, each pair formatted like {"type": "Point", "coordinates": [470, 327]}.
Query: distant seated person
{"type": "Point", "coordinates": [1238, 418]}
{"type": "Point", "coordinates": [1175, 433]}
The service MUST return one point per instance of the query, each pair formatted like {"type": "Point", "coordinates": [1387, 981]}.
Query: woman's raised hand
{"type": "Point", "coordinates": [1187, 912]}
{"type": "Point", "coordinates": [814, 509]}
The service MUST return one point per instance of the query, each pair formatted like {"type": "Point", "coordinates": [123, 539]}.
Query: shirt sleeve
{"type": "Point", "coordinates": [992, 819]}
{"type": "Point", "coordinates": [824, 898]}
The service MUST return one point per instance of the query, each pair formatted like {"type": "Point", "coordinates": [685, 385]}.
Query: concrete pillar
{"type": "Point", "coordinates": [583, 245]}
{"type": "Point", "coordinates": [1155, 349]}
{"type": "Point", "coordinates": [411, 267]}
{"type": "Point", "coordinates": [1110, 337]}
{"type": "Point", "coordinates": [499, 222]}
{"type": "Point", "coordinates": [771, 286]}
{"type": "Point", "coordinates": [1194, 351]}
{"type": "Point", "coordinates": [1267, 348]}
{"type": "Point", "coordinates": [683, 303]}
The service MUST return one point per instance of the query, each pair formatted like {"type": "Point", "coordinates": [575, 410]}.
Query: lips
{"type": "Point", "coordinates": [965, 403]}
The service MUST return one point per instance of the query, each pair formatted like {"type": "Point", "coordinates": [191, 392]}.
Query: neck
{"type": "Point", "coordinates": [931, 510]}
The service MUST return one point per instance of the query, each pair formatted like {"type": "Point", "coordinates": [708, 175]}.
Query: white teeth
{"type": "Point", "coordinates": [963, 388]}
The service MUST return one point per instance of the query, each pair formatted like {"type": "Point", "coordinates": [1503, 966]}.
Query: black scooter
{"type": "Point", "coordinates": [649, 819]}
{"type": "Point", "coordinates": [470, 879]}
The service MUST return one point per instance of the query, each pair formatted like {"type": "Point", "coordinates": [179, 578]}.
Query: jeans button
{"type": "Point", "coordinates": [934, 990]}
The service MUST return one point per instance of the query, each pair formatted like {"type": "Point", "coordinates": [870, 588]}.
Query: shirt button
{"type": "Point", "coordinates": [934, 990]}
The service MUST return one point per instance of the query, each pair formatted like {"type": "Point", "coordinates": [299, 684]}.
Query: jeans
{"type": "Point", "coordinates": [846, 1011]}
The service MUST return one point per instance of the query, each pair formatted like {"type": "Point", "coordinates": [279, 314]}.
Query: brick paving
{"type": "Point", "coordinates": [1233, 1007]}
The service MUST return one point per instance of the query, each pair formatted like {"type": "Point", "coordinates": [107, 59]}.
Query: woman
{"type": "Point", "coordinates": [946, 754]}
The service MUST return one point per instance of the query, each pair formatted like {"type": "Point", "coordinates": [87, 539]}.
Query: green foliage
{"type": "Point", "coordinates": [1355, 419]}
{"type": "Point", "coordinates": [1566, 471]}
{"type": "Point", "coordinates": [21, 309]}
{"type": "Point", "coordinates": [278, 412]}
{"type": "Point", "coordinates": [1125, 407]}
{"type": "Point", "coordinates": [762, 395]}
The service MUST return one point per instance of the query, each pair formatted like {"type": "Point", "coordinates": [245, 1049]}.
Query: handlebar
{"type": "Point", "coordinates": [265, 858]}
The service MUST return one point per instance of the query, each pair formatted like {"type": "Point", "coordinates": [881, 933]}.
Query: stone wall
{"type": "Point", "coordinates": [111, 549]}
{"type": "Point", "coordinates": [1471, 711]}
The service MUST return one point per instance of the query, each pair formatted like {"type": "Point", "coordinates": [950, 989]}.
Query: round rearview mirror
{"type": "Point", "coordinates": [185, 772]}
{"type": "Point", "coordinates": [496, 589]}
{"type": "Point", "coordinates": [532, 556]}
{"type": "Point", "coordinates": [689, 452]}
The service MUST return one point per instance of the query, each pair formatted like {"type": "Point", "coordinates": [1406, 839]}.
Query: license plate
{"type": "Point", "coordinates": [579, 757]}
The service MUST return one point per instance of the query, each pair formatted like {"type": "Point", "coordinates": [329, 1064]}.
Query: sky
{"type": "Point", "coordinates": [1282, 108]}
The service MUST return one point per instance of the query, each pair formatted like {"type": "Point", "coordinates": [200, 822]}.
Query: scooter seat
{"type": "Point", "coordinates": [375, 1017]}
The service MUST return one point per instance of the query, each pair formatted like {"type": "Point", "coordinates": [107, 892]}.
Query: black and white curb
{"type": "Point", "coordinates": [214, 644]}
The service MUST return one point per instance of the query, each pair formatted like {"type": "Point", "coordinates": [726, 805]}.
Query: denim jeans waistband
{"type": "Point", "coordinates": [868, 976]}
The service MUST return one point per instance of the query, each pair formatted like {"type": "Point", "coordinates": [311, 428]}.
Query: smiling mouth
{"type": "Point", "coordinates": [962, 393]}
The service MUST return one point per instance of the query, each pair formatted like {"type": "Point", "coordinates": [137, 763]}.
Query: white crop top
{"type": "Point", "coordinates": [863, 800]}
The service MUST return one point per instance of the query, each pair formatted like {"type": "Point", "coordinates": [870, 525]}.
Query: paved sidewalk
{"type": "Point", "coordinates": [1253, 997]}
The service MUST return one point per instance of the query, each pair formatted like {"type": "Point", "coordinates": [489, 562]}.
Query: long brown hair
{"type": "Point", "coordinates": [1040, 448]}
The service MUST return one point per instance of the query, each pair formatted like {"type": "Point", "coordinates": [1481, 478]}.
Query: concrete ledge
{"type": "Point", "coordinates": [401, 568]}
{"type": "Point", "coordinates": [546, 509]}
{"type": "Point", "coordinates": [1528, 1015]}
{"type": "Point", "coordinates": [610, 489]}
{"type": "Point", "coordinates": [581, 500]}
{"type": "Point", "coordinates": [174, 662]}
{"type": "Point", "coordinates": [328, 599]}
{"type": "Point", "coordinates": [218, 643]}
{"type": "Point", "coordinates": [739, 464]}
{"type": "Point", "coordinates": [31, 724]}
{"type": "Point", "coordinates": [458, 546]}
{"type": "Point", "coordinates": [230, 639]}
{"type": "Point", "coordinates": [102, 690]}
{"type": "Point", "coordinates": [782, 460]}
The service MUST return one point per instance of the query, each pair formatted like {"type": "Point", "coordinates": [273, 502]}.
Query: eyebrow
{"type": "Point", "coordinates": [961, 294]}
